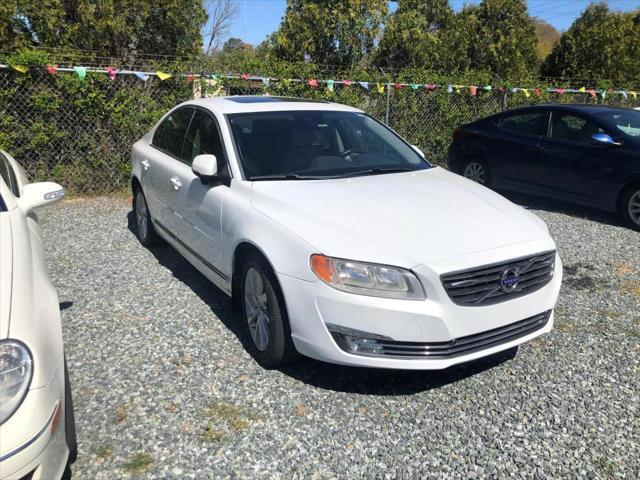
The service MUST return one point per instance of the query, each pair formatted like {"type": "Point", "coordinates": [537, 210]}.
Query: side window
{"type": "Point", "coordinates": [572, 128]}
{"type": "Point", "coordinates": [170, 134]}
{"type": "Point", "coordinates": [525, 123]}
{"type": "Point", "coordinates": [203, 138]}
{"type": "Point", "coordinates": [9, 176]}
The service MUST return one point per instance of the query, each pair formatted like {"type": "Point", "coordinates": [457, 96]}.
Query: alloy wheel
{"type": "Point", "coordinates": [634, 207]}
{"type": "Point", "coordinates": [142, 215]}
{"type": "Point", "coordinates": [476, 172]}
{"type": "Point", "coordinates": [257, 309]}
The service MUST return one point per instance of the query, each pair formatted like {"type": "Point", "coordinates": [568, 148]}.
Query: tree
{"type": "Point", "coordinates": [599, 44]}
{"type": "Point", "coordinates": [110, 28]}
{"type": "Point", "coordinates": [335, 32]}
{"type": "Point", "coordinates": [548, 37]}
{"type": "Point", "coordinates": [413, 35]}
{"type": "Point", "coordinates": [502, 38]}
{"type": "Point", "coordinates": [236, 45]}
{"type": "Point", "coordinates": [221, 14]}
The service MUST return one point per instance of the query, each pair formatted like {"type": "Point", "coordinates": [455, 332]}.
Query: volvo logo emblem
{"type": "Point", "coordinates": [510, 279]}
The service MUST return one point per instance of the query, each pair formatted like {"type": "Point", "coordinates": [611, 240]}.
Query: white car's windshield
{"type": "Point", "coordinates": [317, 145]}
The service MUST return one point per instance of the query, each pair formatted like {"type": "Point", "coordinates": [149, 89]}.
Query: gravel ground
{"type": "Point", "coordinates": [163, 387]}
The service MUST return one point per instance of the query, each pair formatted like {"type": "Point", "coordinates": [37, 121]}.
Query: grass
{"type": "Point", "coordinates": [122, 412]}
{"type": "Point", "coordinates": [104, 453]}
{"type": "Point", "coordinates": [138, 463]}
{"type": "Point", "coordinates": [212, 435]}
{"type": "Point", "coordinates": [631, 287]}
{"type": "Point", "coordinates": [224, 418]}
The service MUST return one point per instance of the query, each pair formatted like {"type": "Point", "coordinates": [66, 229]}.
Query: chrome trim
{"type": "Point", "coordinates": [32, 439]}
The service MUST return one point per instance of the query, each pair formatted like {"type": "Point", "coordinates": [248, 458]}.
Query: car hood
{"type": "Point", "coordinates": [6, 271]}
{"type": "Point", "coordinates": [403, 219]}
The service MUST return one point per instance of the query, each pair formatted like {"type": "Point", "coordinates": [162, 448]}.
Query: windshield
{"type": "Point", "coordinates": [626, 122]}
{"type": "Point", "coordinates": [318, 145]}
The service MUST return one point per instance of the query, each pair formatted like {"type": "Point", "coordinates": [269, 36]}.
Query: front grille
{"type": "Point", "coordinates": [488, 285]}
{"type": "Point", "coordinates": [453, 348]}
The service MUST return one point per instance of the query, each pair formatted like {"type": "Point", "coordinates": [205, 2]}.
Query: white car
{"type": "Point", "coordinates": [37, 430]}
{"type": "Point", "coordinates": [338, 239]}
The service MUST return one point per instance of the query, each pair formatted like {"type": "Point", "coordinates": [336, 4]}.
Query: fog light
{"type": "Point", "coordinates": [362, 345]}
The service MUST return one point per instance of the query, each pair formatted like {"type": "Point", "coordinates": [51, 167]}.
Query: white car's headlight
{"type": "Point", "coordinates": [16, 370]}
{"type": "Point", "coordinates": [367, 278]}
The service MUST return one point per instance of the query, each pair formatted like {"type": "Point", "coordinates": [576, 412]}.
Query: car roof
{"type": "Point", "coordinates": [573, 107]}
{"type": "Point", "coordinates": [266, 103]}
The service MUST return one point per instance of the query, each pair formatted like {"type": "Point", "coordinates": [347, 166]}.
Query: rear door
{"type": "Point", "coordinates": [574, 166]}
{"type": "Point", "coordinates": [200, 204]}
{"type": "Point", "coordinates": [161, 160]}
{"type": "Point", "coordinates": [515, 156]}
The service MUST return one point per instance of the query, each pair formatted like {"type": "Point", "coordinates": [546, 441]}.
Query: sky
{"type": "Point", "coordinates": [258, 18]}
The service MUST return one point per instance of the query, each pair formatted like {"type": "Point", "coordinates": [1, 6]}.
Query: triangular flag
{"type": "Point", "coordinates": [514, 90]}
{"type": "Point", "coordinates": [603, 93]}
{"type": "Point", "coordinates": [142, 76]}
{"type": "Point", "coordinates": [81, 71]}
{"type": "Point", "coordinates": [51, 69]}
{"type": "Point", "coordinates": [582, 90]}
{"type": "Point", "coordinates": [449, 89]}
{"type": "Point", "coordinates": [415, 86]}
{"type": "Point", "coordinates": [537, 92]}
{"type": "Point", "coordinates": [330, 85]}
{"type": "Point", "coordinates": [364, 85]}
{"type": "Point", "coordinates": [266, 81]}
{"type": "Point", "coordinates": [457, 87]}
{"type": "Point", "coordinates": [592, 93]}
{"type": "Point", "coordinates": [286, 82]}
{"type": "Point", "coordinates": [430, 86]}
{"type": "Point", "coordinates": [163, 76]}
{"type": "Point", "coordinates": [526, 92]}
{"type": "Point", "coordinates": [634, 94]}
{"type": "Point", "coordinates": [245, 76]}
{"type": "Point", "coordinates": [487, 88]}
{"type": "Point", "coordinates": [397, 86]}
{"type": "Point", "coordinates": [111, 72]}
{"type": "Point", "coordinates": [346, 83]}
{"type": "Point", "coordinates": [560, 90]}
{"type": "Point", "coordinates": [215, 77]}
{"type": "Point", "coordinates": [190, 78]}
{"type": "Point", "coordinates": [474, 90]}
{"type": "Point", "coordinates": [313, 83]}
{"type": "Point", "coordinates": [624, 94]}
{"type": "Point", "coordinates": [20, 68]}
{"type": "Point", "coordinates": [501, 89]}
{"type": "Point", "coordinates": [380, 87]}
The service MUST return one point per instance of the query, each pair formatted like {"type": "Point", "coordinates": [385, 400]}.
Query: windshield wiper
{"type": "Point", "coordinates": [288, 176]}
{"type": "Point", "coordinates": [374, 171]}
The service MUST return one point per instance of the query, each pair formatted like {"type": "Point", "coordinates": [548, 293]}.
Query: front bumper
{"type": "Point", "coordinates": [315, 308]}
{"type": "Point", "coordinates": [33, 438]}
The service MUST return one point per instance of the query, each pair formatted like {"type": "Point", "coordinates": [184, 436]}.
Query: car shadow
{"type": "Point", "coordinates": [338, 378]}
{"type": "Point", "coordinates": [558, 206]}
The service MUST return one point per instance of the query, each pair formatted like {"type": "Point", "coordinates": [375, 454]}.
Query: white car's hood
{"type": "Point", "coordinates": [403, 219]}
{"type": "Point", "coordinates": [6, 269]}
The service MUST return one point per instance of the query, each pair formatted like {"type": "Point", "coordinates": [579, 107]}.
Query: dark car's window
{"type": "Point", "coordinates": [170, 134]}
{"type": "Point", "coordinates": [625, 122]}
{"type": "Point", "coordinates": [319, 144]}
{"type": "Point", "coordinates": [529, 123]}
{"type": "Point", "coordinates": [573, 128]}
{"type": "Point", "coordinates": [9, 176]}
{"type": "Point", "coordinates": [203, 138]}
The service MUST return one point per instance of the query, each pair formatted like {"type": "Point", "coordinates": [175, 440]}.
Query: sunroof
{"type": "Point", "coordinates": [267, 99]}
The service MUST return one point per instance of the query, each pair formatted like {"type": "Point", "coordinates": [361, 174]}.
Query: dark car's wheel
{"type": "Point", "coordinates": [630, 206]}
{"type": "Point", "coordinates": [69, 418]}
{"type": "Point", "coordinates": [476, 170]}
{"type": "Point", "coordinates": [144, 227]}
{"type": "Point", "coordinates": [265, 314]}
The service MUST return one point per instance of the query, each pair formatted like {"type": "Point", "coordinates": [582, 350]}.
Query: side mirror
{"type": "Point", "coordinates": [605, 138]}
{"type": "Point", "coordinates": [205, 166]}
{"type": "Point", "coordinates": [39, 194]}
{"type": "Point", "coordinates": [417, 149]}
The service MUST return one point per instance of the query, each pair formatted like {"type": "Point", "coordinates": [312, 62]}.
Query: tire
{"type": "Point", "coordinates": [476, 170]}
{"type": "Point", "coordinates": [630, 207]}
{"type": "Point", "coordinates": [69, 418]}
{"type": "Point", "coordinates": [265, 314]}
{"type": "Point", "coordinates": [145, 231]}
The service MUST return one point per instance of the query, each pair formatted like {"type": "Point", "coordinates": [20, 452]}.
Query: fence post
{"type": "Point", "coordinates": [504, 99]}
{"type": "Point", "coordinates": [386, 111]}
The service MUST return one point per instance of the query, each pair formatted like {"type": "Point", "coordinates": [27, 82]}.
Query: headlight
{"type": "Point", "coordinates": [16, 370]}
{"type": "Point", "coordinates": [367, 278]}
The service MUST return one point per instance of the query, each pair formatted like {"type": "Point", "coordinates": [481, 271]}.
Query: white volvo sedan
{"type": "Point", "coordinates": [338, 239]}
{"type": "Point", "coordinates": [37, 430]}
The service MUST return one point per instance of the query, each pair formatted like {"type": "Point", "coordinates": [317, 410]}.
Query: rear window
{"type": "Point", "coordinates": [529, 123]}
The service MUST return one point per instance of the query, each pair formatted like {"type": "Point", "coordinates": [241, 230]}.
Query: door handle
{"type": "Point", "coordinates": [145, 163]}
{"type": "Point", "coordinates": [175, 181]}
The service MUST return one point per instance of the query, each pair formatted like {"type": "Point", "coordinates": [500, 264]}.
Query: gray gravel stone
{"type": "Point", "coordinates": [163, 387]}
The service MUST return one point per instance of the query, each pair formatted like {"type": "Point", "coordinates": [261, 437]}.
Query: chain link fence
{"type": "Point", "coordinates": [80, 132]}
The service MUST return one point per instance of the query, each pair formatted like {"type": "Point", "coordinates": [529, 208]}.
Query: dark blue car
{"type": "Point", "coordinates": [584, 154]}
